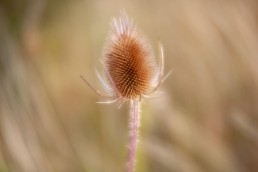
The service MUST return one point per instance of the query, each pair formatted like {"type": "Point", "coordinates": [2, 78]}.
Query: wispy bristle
{"type": "Point", "coordinates": [129, 60]}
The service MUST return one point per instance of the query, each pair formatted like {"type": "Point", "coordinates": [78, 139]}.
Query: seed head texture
{"type": "Point", "coordinates": [129, 61]}
{"type": "Point", "coordinates": [130, 68]}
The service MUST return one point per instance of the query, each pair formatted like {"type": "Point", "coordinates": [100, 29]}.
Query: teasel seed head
{"type": "Point", "coordinates": [129, 65]}
{"type": "Point", "coordinates": [129, 61]}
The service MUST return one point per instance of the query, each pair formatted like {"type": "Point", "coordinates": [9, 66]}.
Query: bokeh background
{"type": "Point", "coordinates": [205, 121]}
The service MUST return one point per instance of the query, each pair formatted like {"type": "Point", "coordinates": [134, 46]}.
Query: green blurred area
{"type": "Point", "coordinates": [205, 121]}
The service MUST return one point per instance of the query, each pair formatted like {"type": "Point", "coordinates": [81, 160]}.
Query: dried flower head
{"type": "Point", "coordinates": [129, 61]}
{"type": "Point", "coordinates": [129, 64]}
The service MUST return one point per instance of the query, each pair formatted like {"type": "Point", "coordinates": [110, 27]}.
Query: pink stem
{"type": "Point", "coordinates": [133, 134]}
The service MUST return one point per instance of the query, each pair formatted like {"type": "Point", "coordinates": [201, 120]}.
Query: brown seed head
{"type": "Point", "coordinates": [129, 61]}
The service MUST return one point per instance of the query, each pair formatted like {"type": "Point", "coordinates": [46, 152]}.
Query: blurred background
{"type": "Point", "coordinates": [206, 120]}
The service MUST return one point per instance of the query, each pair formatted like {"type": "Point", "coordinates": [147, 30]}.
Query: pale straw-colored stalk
{"type": "Point", "coordinates": [134, 125]}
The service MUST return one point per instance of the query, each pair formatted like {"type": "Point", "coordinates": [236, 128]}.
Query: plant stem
{"type": "Point", "coordinates": [133, 134]}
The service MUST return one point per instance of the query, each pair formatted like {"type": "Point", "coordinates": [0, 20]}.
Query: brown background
{"type": "Point", "coordinates": [205, 121]}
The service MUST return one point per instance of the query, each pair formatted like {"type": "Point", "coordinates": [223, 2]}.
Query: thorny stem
{"type": "Point", "coordinates": [133, 134]}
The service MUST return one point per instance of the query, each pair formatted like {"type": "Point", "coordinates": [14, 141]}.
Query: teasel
{"type": "Point", "coordinates": [130, 74]}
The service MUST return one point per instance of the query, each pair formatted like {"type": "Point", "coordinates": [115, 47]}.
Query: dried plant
{"type": "Point", "coordinates": [131, 74]}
